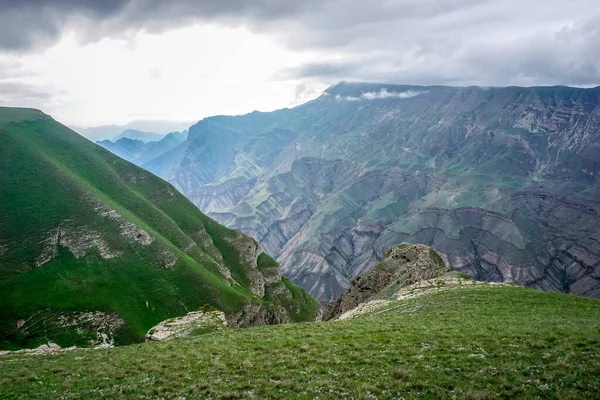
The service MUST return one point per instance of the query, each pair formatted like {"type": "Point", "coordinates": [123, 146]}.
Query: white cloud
{"type": "Point", "coordinates": [382, 94]}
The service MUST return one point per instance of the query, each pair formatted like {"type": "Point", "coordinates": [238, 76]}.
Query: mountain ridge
{"type": "Point", "coordinates": [135, 134]}
{"type": "Point", "coordinates": [327, 186]}
{"type": "Point", "coordinates": [140, 152]}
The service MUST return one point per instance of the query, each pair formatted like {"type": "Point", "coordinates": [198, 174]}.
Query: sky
{"type": "Point", "coordinates": [99, 62]}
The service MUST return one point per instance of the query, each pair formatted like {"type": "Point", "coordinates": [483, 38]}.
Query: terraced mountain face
{"type": "Point", "coordinates": [94, 250]}
{"type": "Point", "coordinates": [502, 182]}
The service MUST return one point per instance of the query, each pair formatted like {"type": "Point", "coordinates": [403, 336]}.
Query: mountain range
{"type": "Point", "coordinates": [140, 151]}
{"type": "Point", "coordinates": [145, 137]}
{"type": "Point", "coordinates": [502, 182]}
{"type": "Point", "coordinates": [110, 132]}
{"type": "Point", "coordinates": [95, 250]}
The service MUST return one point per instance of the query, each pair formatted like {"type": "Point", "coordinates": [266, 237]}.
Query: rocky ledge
{"type": "Point", "coordinates": [192, 323]}
{"type": "Point", "coordinates": [404, 264]}
{"type": "Point", "coordinates": [449, 281]}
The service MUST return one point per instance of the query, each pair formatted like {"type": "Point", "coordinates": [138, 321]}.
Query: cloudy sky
{"type": "Point", "coordinates": [112, 61]}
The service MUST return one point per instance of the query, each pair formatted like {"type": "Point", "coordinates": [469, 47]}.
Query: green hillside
{"type": "Point", "coordinates": [475, 342]}
{"type": "Point", "coordinates": [94, 249]}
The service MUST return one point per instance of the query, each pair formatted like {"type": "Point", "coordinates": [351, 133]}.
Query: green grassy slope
{"type": "Point", "coordinates": [66, 204]}
{"type": "Point", "coordinates": [482, 342]}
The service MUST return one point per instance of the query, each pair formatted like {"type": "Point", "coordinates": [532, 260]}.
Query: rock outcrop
{"type": "Point", "coordinates": [197, 322]}
{"type": "Point", "coordinates": [403, 265]}
{"type": "Point", "coordinates": [448, 281]}
{"type": "Point", "coordinates": [254, 314]}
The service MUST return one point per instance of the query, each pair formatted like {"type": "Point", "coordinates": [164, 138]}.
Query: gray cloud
{"type": "Point", "coordinates": [22, 94]}
{"type": "Point", "coordinates": [28, 23]}
{"type": "Point", "coordinates": [303, 93]}
{"type": "Point", "coordinates": [19, 86]}
{"type": "Point", "coordinates": [21, 89]}
{"type": "Point", "coordinates": [487, 42]}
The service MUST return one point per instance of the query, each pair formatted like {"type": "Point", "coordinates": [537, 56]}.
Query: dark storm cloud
{"type": "Point", "coordinates": [333, 70]}
{"type": "Point", "coordinates": [488, 42]}
{"type": "Point", "coordinates": [27, 23]}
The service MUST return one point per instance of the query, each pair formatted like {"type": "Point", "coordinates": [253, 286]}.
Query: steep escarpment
{"type": "Point", "coordinates": [94, 250]}
{"type": "Point", "coordinates": [502, 182]}
{"type": "Point", "coordinates": [403, 265]}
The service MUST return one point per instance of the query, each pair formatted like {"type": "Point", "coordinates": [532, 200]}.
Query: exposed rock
{"type": "Point", "coordinates": [254, 314]}
{"type": "Point", "coordinates": [197, 321]}
{"type": "Point", "coordinates": [404, 264]}
{"type": "Point", "coordinates": [167, 257]}
{"type": "Point", "coordinates": [249, 250]}
{"type": "Point", "coordinates": [128, 229]}
{"type": "Point", "coordinates": [48, 348]}
{"type": "Point", "coordinates": [80, 240]}
{"type": "Point", "coordinates": [102, 323]}
{"type": "Point", "coordinates": [363, 308]}
{"type": "Point", "coordinates": [449, 281]}
{"type": "Point", "coordinates": [271, 274]}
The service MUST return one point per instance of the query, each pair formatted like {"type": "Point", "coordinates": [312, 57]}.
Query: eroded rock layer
{"type": "Point", "coordinates": [503, 182]}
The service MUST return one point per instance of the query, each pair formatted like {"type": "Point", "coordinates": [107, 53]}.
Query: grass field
{"type": "Point", "coordinates": [473, 343]}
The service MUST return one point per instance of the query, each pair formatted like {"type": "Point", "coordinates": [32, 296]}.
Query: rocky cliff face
{"type": "Point", "coordinates": [503, 182]}
{"type": "Point", "coordinates": [403, 265]}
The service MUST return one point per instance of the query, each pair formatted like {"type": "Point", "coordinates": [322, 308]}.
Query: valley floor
{"type": "Point", "coordinates": [475, 342]}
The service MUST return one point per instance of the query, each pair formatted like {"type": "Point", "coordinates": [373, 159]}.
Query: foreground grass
{"type": "Point", "coordinates": [480, 342]}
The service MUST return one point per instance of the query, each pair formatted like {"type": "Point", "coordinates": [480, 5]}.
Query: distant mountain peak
{"type": "Point", "coordinates": [140, 135]}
